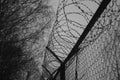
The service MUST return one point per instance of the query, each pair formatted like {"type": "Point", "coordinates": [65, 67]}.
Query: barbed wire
{"type": "Point", "coordinates": [72, 17]}
{"type": "Point", "coordinates": [67, 29]}
{"type": "Point", "coordinates": [101, 40]}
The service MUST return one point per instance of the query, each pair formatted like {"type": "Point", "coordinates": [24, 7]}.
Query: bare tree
{"type": "Point", "coordinates": [21, 22]}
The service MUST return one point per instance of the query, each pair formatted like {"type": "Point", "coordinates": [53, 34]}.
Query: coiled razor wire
{"type": "Point", "coordinates": [72, 17]}
{"type": "Point", "coordinates": [101, 48]}
{"type": "Point", "coordinates": [67, 29]}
